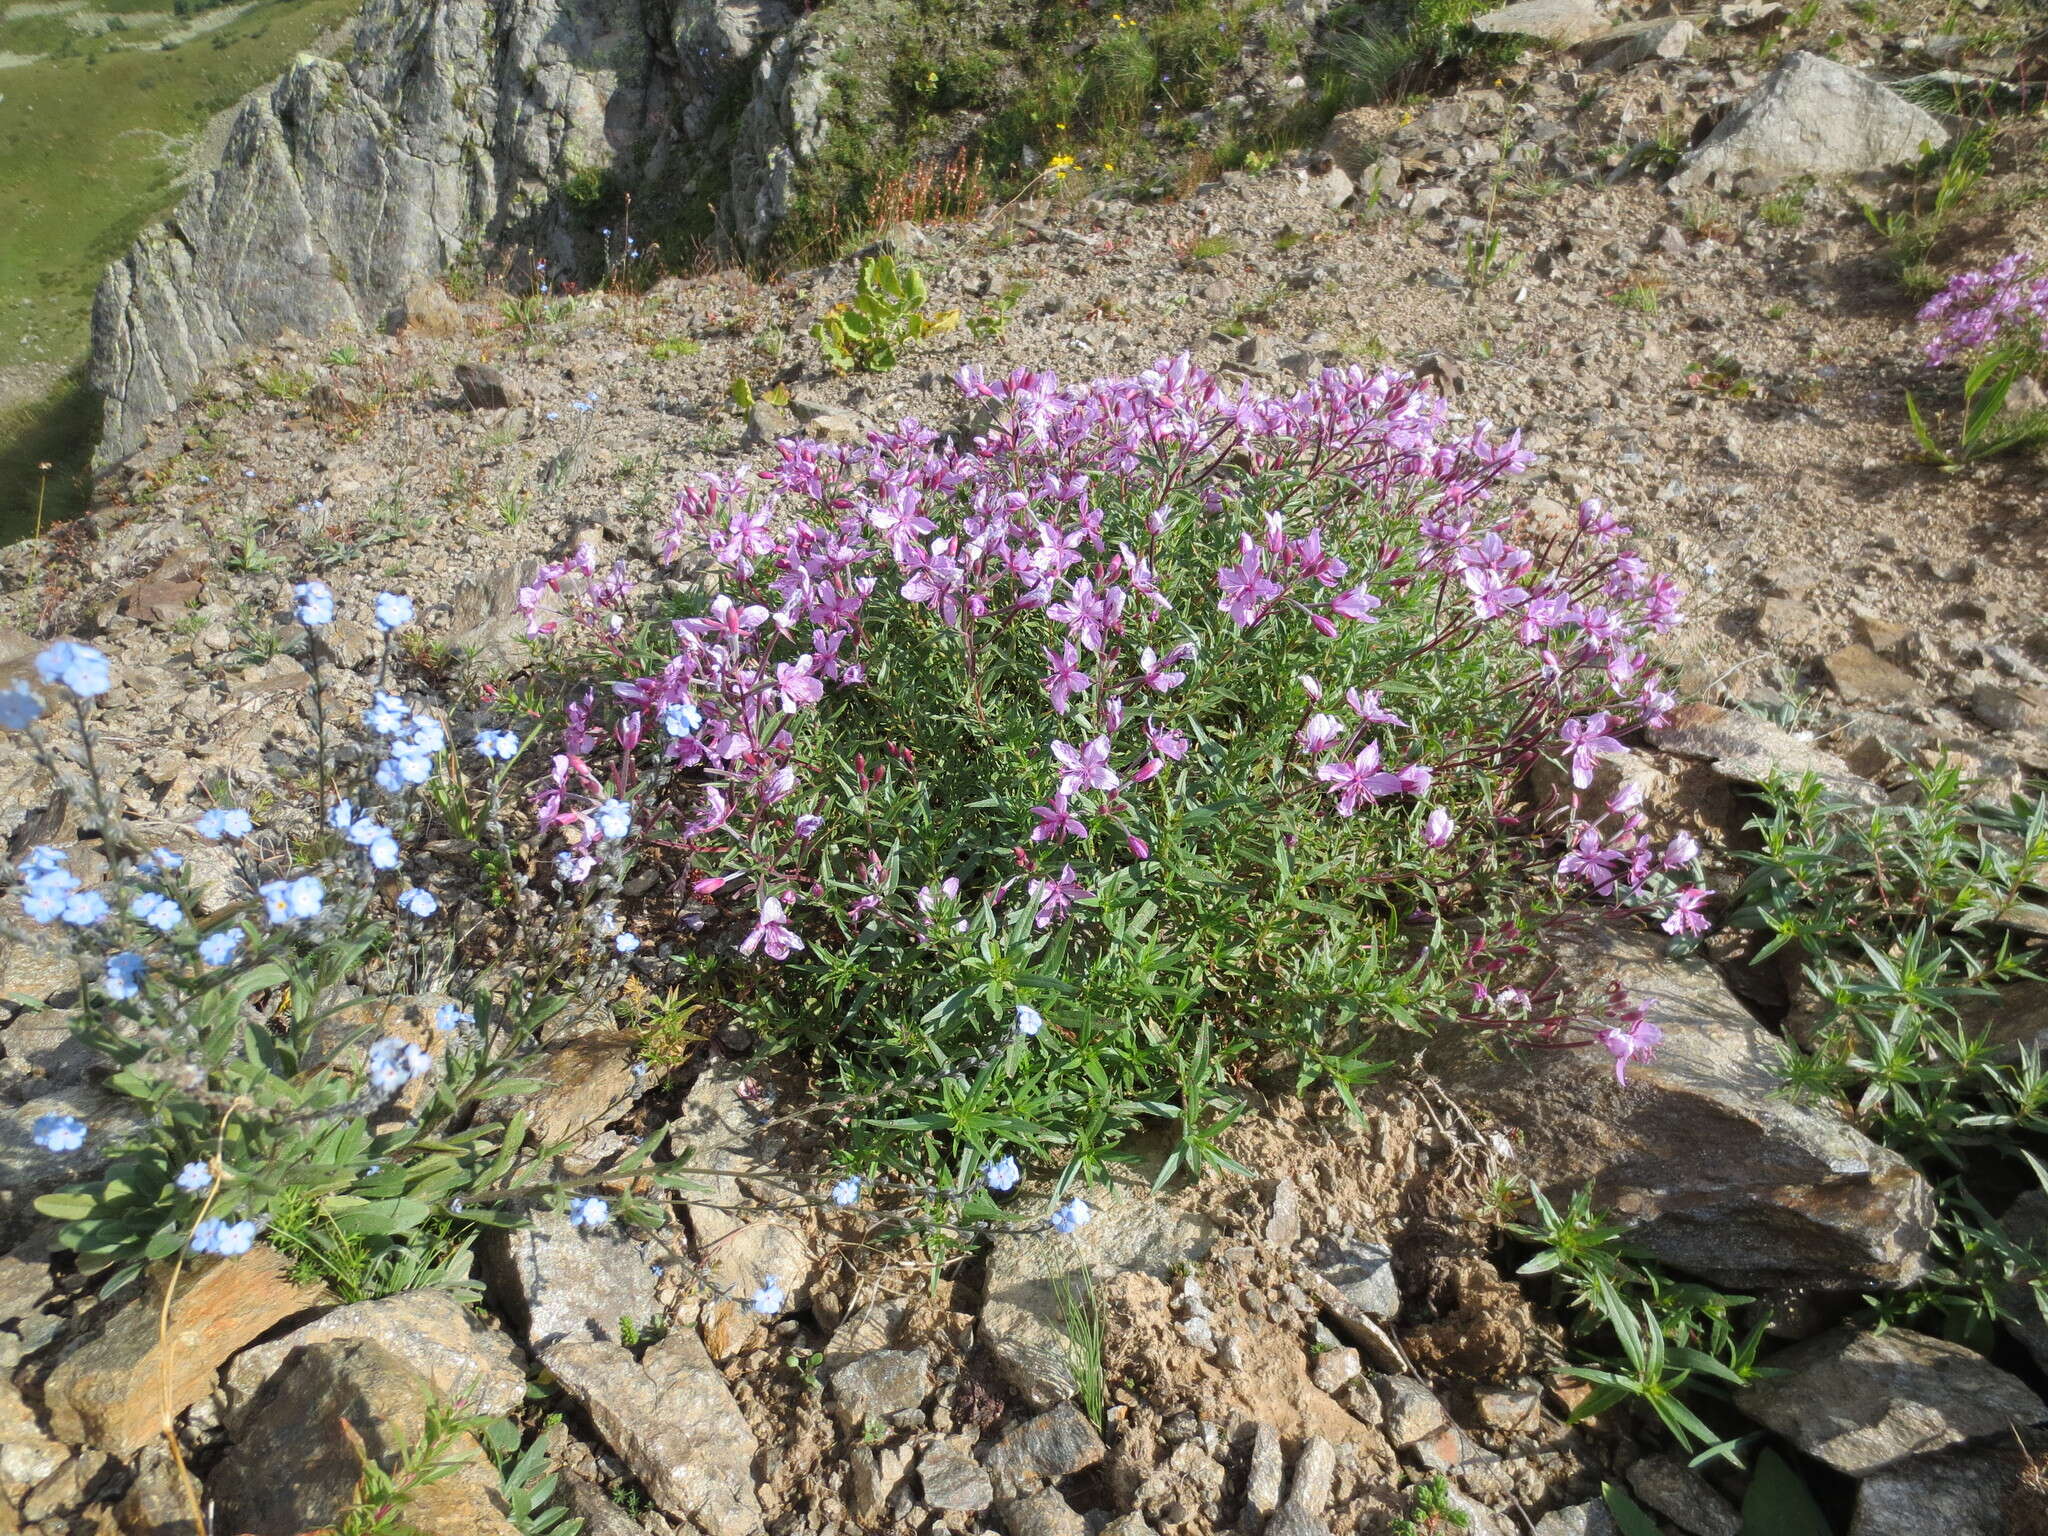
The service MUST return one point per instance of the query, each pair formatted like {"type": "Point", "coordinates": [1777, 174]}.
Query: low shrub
{"type": "Point", "coordinates": [1040, 787]}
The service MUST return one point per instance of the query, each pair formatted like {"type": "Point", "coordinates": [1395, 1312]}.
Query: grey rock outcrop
{"type": "Point", "coordinates": [1813, 117]}
{"type": "Point", "coordinates": [1767, 1191]}
{"type": "Point", "coordinates": [342, 187]}
{"type": "Point", "coordinates": [1862, 1402]}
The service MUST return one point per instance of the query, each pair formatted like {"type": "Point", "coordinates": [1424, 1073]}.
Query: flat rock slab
{"type": "Point", "coordinates": [561, 1282]}
{"type": "Point", "coordinates": [1713, 1167]}
{"type": "Point", "coordinates": [1638, 42]}
{"type": "Point", "coordinates": [1747, 750]}
{"type": "Point", "coordinates": [1812, 117]}
{"type": "Point", "coordinates": [951, 1479]}
{"type": "Point", "coordinates": [720, 1132]}
{"type": "Point", "coordinates": [588, 1083]}
{"type": "Point", "coordinates": [1861, 676]}
{"type": "Point", "coordinates": [460, 1355]}
{"type": "Point", "coordinates": [1132, 1230]}
{"type": "Point", "coordinates": [671, 1418]}
{"type": "Point", "coordinates": [1562, 22]}
{"type": "Point", "coordinates": [1962, 1493]}
{"type": "Point", "coordinates": [114, 1389]}
{"type": "Point", "coordinates": [1042, 1450]}
{"type": "Point", "coordinates": [1862, 1402]}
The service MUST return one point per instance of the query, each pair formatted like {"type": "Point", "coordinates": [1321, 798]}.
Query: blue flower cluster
{"type": "Point", "coordinates": [292, 901]}
{"type": "Point", "coordinates": [393, 1062]}
{"type": "Point", "coordinates": [59, 1133]}
{"type": "Point", "coordinates": [1071, 1217]}
{"type": "Point", "coordinates": [226, 1238]}
{"type": "Point", "coordinates": [366, 832]}
{"type": "Point", "coordinates": [416, 740]}
{"type": "Point", "coordinates": [19, 708]}
{"type": "Point", "coordinates": [224, 823]}
{"type": "Point", "coordinates": [51, 893]}
{"type": "Point", "coordinates": [315, 604]}
{"type": "Point", "coordinates": [78, 667]}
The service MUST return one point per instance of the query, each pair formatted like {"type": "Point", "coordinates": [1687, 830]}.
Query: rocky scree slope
{"type": "Point", "coordinates": [1346, 1328]}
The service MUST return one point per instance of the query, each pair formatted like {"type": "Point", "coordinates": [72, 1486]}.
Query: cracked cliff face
{"type": "Point", "coordinates": [344, 186]}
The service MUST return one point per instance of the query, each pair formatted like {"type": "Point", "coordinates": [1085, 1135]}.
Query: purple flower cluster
{"type": "Point", "coordinates": [1983, 310]}
{"type": "Point", "coordinates": [1025, 543]}
{"type": "Point", "coordinates": [1621, 863]}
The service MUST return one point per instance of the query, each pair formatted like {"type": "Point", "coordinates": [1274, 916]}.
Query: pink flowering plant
{"type": "Point", "coordinates": [1041, 786]}
{"type": "Point", "coordinates": [2003, 306]}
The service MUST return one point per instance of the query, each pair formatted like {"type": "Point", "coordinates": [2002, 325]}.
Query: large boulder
{"type": "Point", "coordinates": [296, 1466]}
{"type": "Point", "coordinates": [1812, 117]}
{"type": "Point", "coordinates": [1862, 1402]}
{"type": "Point", "coordinates": [1716, 1170]}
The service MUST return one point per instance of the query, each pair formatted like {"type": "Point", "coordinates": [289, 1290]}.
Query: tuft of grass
{"type": "Point", "coordinates": [1639, 298]}
{"type": "Point", "coordinates": [285, 383]}
{"type": "Point", "coordinates": [1081, 1322]}
{"type": "Point", "coordinates": [1376, 59]}
{"type": "Point", "coordinates": [1942, 185]}
{"type": "Point", "coordinates": [1787, 210]}
{"type": "Point", "coordinates": [362, 1268]}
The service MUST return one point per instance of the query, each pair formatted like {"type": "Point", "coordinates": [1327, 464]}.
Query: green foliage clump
{"type": "Point", "coordinates": [1653, 1340]}
{"type": "Point", "coordinates": [886, 314]}
{"type": "Point", "coordinates": [1906, 919]}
